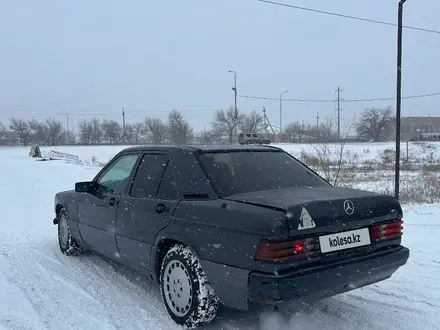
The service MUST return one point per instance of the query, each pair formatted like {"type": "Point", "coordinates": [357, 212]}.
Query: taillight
{"type": "Point", "coordinates": [387, 231]}
{"type": "Point", "coordinates": [287, 250]}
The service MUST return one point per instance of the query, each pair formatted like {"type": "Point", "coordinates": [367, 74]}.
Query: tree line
{"type": "Point", "coordinates": [371, 126]}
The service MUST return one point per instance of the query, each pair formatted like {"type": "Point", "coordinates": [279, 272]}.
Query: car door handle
{"type": "Point", "coordinates": [161, 208]}
{"type": "Point", "coordinates": [112, 201]}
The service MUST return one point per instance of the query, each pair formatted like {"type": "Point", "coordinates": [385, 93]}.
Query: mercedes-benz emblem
{"type": "Point", "coordinates": [349, 207]}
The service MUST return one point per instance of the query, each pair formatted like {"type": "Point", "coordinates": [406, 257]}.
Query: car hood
{"type": "Point", "coordinates": [319, 207]}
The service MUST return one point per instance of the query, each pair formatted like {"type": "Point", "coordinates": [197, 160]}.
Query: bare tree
{"type": "Point", "coordinates": [70, 137]}
{"type": "Point", "coordinates": [252, 123]}
{"type": "Point", "coordinates": [50, 132]}
{"type": "Point", "coordinates": [325, 132]}
{"type": "Point", "coordinates": [2, 129]}
{"type": "Point", "coordinates": [225, 123]}
{"type": "Point", "coordinates": [332, 157]}
{"type": "Point", "coordinates": [37, 133]}
{"type": "Point", "coordinates": [22, 128]}
{"type": "Point", "coordinates": [127, 134]}
{"type": "Point", "coordinates": [138, 130]}
{"type": "Point", "coordinates": [156, 130]}
{"type": "Point", "coordinates": [373, 122]}
{"type": "Point", "coordinates": [3, 137]}
{"type": "Point", "coordinates": [294, 131]}
{"type": "Point", "coordinates": [112, 131]}
{"type": "Point", "coordinates": [97, 133]}
{"type": "Point", "coordinates": [54, 131]}
{"type": "Point", "coordinates": [2, 133]}
{"type": "Point", "coordinates": [85, 131]}
{"type": "Point", "coordinates": [180, 132]}
{"type": "Point", "coordinates": [207, 137]}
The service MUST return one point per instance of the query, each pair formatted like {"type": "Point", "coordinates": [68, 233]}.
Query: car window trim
{"type": "Point", "coordinates": [169, 162]}
{"type": "Point", "coordinates": [113, 161]}
{"type": "Point", "coordinates": [177, 196]}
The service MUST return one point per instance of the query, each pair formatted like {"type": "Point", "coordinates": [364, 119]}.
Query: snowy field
{"type": "Point", "coordinates": [42, 289]}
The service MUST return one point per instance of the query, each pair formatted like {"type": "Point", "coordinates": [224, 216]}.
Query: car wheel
{"type": "Point", "coordinates": [67, 243]}
{"type": "Point", "coordinates": [186, 291]}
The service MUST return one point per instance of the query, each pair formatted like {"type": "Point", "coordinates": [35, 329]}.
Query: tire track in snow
{"type": "Point", "coordinates": [66, 282]}
{"type": "Point", "coordinates": [58, 306]}
{"type": "Point", "coordinates": [408, 297]}
{"type": "Point", "coordinates": [141, 292]}
{"type": "Point", "coordinates": [16, 311]}
{"type": "Point", "coordinates": [396, 314]}
{"type": "Point", "coordinates": [107, 282]}
{"type": "Point", "coordinates": [24, 275]}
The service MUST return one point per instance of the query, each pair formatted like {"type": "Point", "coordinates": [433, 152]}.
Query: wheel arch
{"type": "Point", "coordinates": [162, 246]}
{"type": "Point", "coordinates": [58, 208]}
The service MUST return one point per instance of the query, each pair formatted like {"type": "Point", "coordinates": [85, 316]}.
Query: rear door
{"type": "Point", "coordinates": [96, 212]}
{"type": "Point", "coordinates": [146, 209]}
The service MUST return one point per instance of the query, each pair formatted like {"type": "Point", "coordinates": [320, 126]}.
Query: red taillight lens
{"type": "Point", "coordinates": [387, 231]}
{"type": "Point", "coordinates": [288, 250]}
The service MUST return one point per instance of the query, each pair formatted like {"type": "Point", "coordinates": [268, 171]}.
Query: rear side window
{"type": "Point", "coordinates": [236, 172]}
{"type": "Point", "coordinates": [148, 177]}
{"type": "Point", "coordinates": [168, 185]}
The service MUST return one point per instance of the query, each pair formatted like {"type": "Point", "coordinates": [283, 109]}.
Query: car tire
{"type": "Point", "coordinates": [67, 243]}
{"type": "Point", "coordinates": [188, 296]}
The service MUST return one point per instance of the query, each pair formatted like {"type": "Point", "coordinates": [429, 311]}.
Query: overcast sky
{"type": "Point", "coordinates": [91, 58]}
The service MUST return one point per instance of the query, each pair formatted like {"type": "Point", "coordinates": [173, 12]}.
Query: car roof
{"type": "Point", "coordinates": [205, 148]}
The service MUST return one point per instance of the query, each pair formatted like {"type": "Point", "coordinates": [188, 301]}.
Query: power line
{"type": "Point", "coordinates": [136, 113]}
{"type": "Point", "coordinates": [347, 16]}
{"type": "Point", "coordinates": [393, 98]}
{"type": "Point", "coordinates": [331, 101]}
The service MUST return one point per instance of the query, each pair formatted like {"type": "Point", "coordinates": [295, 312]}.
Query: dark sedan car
{"type": "Point", "coordinates": [232, 225]}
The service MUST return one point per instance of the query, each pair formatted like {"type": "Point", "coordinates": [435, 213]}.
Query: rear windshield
{"type": "Point", "coordinates": [236, 172]}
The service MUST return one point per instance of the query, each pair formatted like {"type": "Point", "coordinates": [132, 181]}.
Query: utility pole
{"type": "Point", "coordinates": [430, 123]}
{"type": "Point", "coordinates": [235, 99]}
{"type": "Point", "coordinates": [67, 122]}
{"type": "Point", "coordinates": [338, 91]}
{"type": "Point", "coordinates": [123, 124]}
{"type": "Point", "coordinates": [235, 95]}
{"type": "Point", "coordinates": [264, 118]}
{"type": "Point", "coordinates": [281, 115]}
{"type": "Point", "coordinates": [317, 127]}
{"type": "Point", "coordinates": [398, 96]}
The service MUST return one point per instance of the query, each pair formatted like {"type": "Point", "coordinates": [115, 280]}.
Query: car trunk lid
{"type": "Point", "coordinates": [324, 209]}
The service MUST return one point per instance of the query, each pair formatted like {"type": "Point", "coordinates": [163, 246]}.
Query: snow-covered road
{"type": "Point", "coordinates": [42, 289]}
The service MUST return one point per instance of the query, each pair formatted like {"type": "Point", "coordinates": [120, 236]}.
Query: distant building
{"type": "Point", "coordinates": [417, 128]}
{"type": "Point", "coordinates": [9, 139]}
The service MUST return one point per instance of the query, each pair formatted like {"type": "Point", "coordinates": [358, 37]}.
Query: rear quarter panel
{"type": "Point", "coordinates": [224, 232]}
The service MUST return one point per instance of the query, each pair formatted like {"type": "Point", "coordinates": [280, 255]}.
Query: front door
{"type": "Point", "coordinates": [97, 211]}
{"type": "Point", "coordinates": [146, 210]}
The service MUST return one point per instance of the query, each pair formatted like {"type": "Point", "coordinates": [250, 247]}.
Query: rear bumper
{"type": "Point", "coordinates": [325, 281]}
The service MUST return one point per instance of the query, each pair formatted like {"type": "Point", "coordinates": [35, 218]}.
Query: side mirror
{"type": "Point", "coordinates": [87, 187]}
